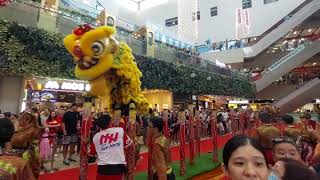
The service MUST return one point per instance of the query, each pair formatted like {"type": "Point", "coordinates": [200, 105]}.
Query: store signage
{"type": "Point", "coordinates": [74, 86]}
{"type": "Point", "coordinates": [238, 102]}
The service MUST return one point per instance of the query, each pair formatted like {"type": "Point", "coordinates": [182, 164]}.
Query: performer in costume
{"type": "Point", "coordinates": [110, 144]}
{"type": "Point", "coordinates": [265, 134]}
{"type": "Point", "coordinates": [25, 142]}
{"type": "Point", "coordinates": [161, 157]}
{"type": "Point", "coordinates": [109, 67]}
{"type": "Point", "coordinates": [11, 166]}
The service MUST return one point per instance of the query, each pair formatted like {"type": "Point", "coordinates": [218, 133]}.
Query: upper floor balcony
{"type": "Point", "coordinates": [65, 19]}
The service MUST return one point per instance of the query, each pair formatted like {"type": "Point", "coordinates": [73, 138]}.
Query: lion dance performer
{"type": "Point", "coordinates": [25, 142]}
{"type": "Point", "coordinates": [109, 67]}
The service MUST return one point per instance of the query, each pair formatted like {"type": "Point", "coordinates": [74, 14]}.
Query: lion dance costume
{"type": "Point", "coordinates": [110, 68]}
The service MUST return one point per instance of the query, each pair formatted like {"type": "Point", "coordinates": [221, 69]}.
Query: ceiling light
{"type": "Point", "coordinates": [309, 30]}
{"type": "Point", "coordinates": [314, 64]}
{"type": "Point", "coordinates": [293, 40]}
{"type": "Point", "coordinates": [284, 42]}
{"type": "Point", "coordinates": [295, 32]}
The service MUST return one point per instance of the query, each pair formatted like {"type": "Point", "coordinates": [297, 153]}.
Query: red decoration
{"type": "Point", "coordinates": [80, 30]}
{"type": "Point", "coordinates": [4, 3]}
{"type": "Point", "coordinates": [150, 147]}
{"type": "Point", "coordinates": [182, 150]}
{"type": "Point", "coordinates": [85, 133]}
{"type": "Point", "coordinates": [77, 51]}
{"type": "Point", "coordinates": [191, 139]}
{"type": "Point", "coordinates": [198, 135]}
{"type": "Point", "coordinates": [214, 137]}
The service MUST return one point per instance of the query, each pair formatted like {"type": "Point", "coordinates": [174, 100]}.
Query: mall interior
{"type": "Point", "coordinates": [210, 70]}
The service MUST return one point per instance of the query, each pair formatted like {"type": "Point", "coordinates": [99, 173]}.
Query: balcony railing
{"type": "Point", "coordinates": [250, 41]}
{"type": "Point", "coordinates": [27, 13]}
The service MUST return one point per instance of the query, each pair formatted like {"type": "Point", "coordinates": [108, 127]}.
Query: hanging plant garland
{"type": "Point", "coordinates": [31, 51]}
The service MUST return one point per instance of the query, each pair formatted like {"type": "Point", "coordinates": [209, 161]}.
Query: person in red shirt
{"type": "Point", "coordinates": [55, 133]}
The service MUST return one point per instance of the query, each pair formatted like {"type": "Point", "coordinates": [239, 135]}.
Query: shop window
{"type": "Point", "coordinates": [171, 22]}
{"type": "Point", "coordinates": [270, 1]}
{"type": "Point", "coordinates": [246, 4]}
{"type": "Point", "coordinates": [214, 11]}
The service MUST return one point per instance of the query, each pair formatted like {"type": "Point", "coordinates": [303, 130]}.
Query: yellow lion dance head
{"type": "Point", "coordinates": [109, 66]}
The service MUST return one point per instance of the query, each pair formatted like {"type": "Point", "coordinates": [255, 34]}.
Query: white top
{"type": "Point", "coordinates": [110, 144]}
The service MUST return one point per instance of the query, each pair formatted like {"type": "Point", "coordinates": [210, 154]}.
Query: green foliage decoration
{"type": "Point", "coordinates": [31, 51]}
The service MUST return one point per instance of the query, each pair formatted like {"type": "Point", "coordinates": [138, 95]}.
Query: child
{"type": "Point", "coordinates": [45, 148]}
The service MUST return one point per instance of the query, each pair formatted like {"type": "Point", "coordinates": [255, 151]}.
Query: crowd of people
{"type": "Point", "coordinates": [277, 150]}
{"type": "Point", "coordinates": [264, 144]}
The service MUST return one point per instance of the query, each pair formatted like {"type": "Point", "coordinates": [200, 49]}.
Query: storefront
{"type": "Point", "coordinates": [234, 104]}
{"type": "Point", "coordinates": [257, 105]}
{"type": "Point", "coordinates": [159, 99]}
{"type": "Point", "coordinates": [53, 93]}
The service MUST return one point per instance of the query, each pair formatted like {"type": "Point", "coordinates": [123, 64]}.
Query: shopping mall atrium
{"type": "Point", "coordinates": [201, 73]}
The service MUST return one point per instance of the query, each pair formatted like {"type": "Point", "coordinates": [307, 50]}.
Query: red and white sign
{"type": "Point", "coordinates": [110, 144]}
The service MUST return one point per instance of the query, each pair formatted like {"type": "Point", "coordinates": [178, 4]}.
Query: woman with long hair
{"type": "Point", "coordinates": [289, 169]}
{"type": "Point", "coordinates": [55, 134]}
{"type": "Point", "coordinates": [243, 159]}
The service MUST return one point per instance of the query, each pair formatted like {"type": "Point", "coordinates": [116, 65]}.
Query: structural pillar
{"type": "Point", "coordinates": [47, 16]}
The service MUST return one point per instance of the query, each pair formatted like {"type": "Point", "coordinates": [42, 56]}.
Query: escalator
{"type": "Point", "coordinates": [299, 97]}
{"type": "Point", "coordinates": [295, 58]}
{"type": "Point", "coordinates": [280, 29]}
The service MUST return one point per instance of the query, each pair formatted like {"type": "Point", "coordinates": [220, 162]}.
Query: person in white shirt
{"type": "Point", "coordinates": [110, 144]}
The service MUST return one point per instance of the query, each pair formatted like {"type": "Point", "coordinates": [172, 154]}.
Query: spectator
{"type": "Point", "coordinates": [243, 158]}
{"type": "Point", "coordinates": [55, 134]}
{"type": "Point", "coordinates": [284, 147]}
{"type": "Point", "coordinates": [70, 122]}
{"type": "Point", "coordinates": [289, 169]}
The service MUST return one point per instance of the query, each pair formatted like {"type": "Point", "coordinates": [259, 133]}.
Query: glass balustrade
{"type": "Point", "coordinates": [27, 13]}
